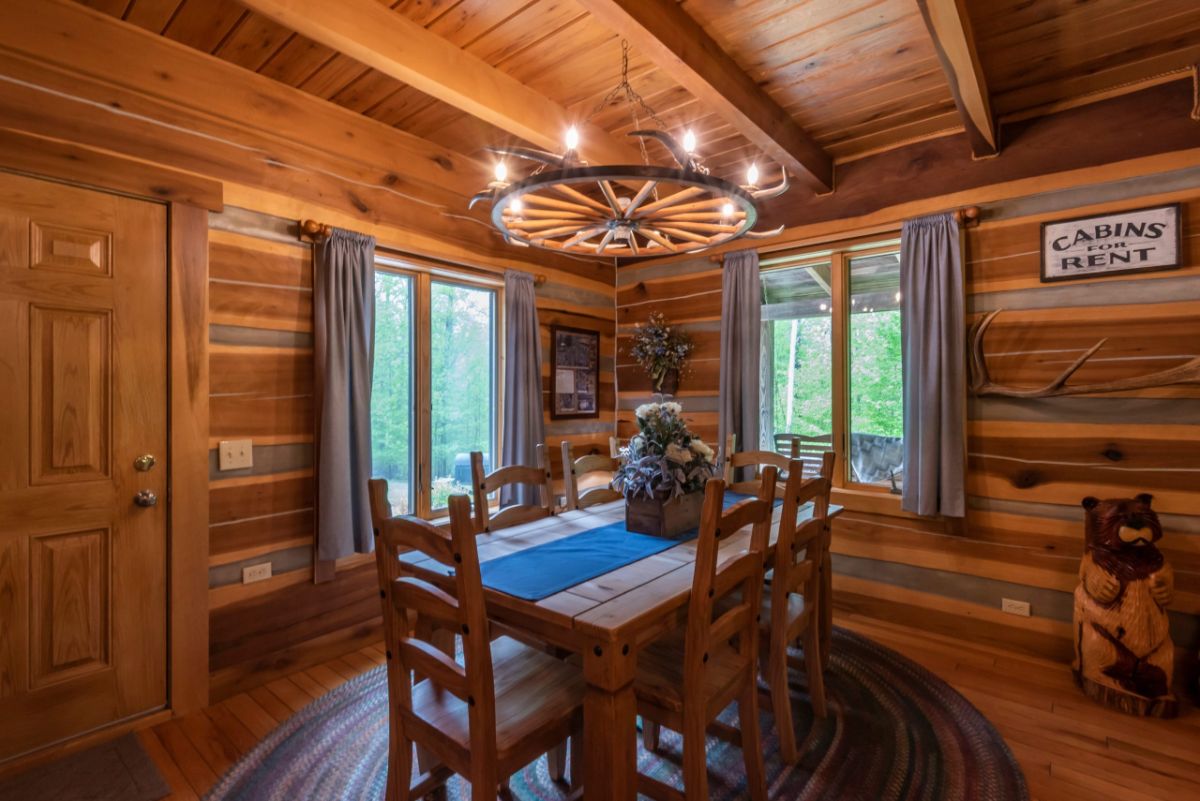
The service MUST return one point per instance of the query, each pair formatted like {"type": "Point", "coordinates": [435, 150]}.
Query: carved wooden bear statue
{"type": "Point", "coordinates": [1124, 656]}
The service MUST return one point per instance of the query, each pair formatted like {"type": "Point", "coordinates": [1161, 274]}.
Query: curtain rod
{"type": "Point", "coordinates": [965, 217]}
{"type": "Point", "coordinates": [313, 231]}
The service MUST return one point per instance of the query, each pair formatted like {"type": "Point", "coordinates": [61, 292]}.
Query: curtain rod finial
{"type": "Point", "coordinates": [313, 231]}
{"type": "Point", "coordinates": [539, 279]}
{"type": "Point", "coordinates": [966, 216]}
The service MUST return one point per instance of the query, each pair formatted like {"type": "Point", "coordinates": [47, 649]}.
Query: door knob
{"type": "Point", "coordinates": [144, 462]}
{"type": "Point", "coordinates": [145, 498]}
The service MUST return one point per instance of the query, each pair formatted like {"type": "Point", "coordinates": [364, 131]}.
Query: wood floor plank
{"type": "Point", "coordinates": [291, 693]}
{"type": "Point", "coordinates": [326, 676]}
{"type": "Point", "coordinates": [197, 772]}
{"type": "Point", "coordinates": [271, 704]}
{"type": "Point", "coordinates": [359, 662]}
{"type": "Point", "coordinates": [231, 727]}
{"type": "Point", "coordinates": [342, 668]}
{"type": "Point", "coordinates": [214, 748]}
{"type": "Point", "coordinates": [252, 717]}
{"type": "Point", "coordinates": [375, 653]}
{"type": "Point", "coordinates": [308, 684]}
{"type": "Point", "coordinates": [181, 789]}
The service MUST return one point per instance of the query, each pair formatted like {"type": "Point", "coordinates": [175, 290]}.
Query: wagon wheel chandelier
{"type": "Point", "coordinates": [624, 210]}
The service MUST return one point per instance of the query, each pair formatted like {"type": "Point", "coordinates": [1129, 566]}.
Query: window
{"type": "Point", "coordinates": [435, 394]}
{"type": "Point", "coordinates": [832, 374]}
{"type": "Point", "coordinates": [463, 368]}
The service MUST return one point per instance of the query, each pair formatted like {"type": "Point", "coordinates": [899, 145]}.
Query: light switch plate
{"type": "Point", "coordinates": [1015, 607]}
{"type": "Point", "coordinates": [235, 454]}
{"type": "Point", "coordinates": [255, 573]}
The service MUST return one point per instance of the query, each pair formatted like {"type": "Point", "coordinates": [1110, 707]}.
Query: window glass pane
{"type": "Point", "coordinates": [391, 391]}
{"type": "Point", "coordinates": [463, 385]}
{"type": "Point", "coordinates": [798, 360]}
{"type": "Point", "coordinates": [876, 374]}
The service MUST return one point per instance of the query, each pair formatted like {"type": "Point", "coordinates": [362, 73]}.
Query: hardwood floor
{"type": "Point", "coordinates": [1070, 748]}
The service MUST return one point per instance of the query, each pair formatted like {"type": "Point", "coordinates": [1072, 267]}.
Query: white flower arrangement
{"type": "Point", "coordinates": [665, 458]}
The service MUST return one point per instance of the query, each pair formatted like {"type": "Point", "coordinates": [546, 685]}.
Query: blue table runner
{"type": "Point", "coordinates": [542, 570]}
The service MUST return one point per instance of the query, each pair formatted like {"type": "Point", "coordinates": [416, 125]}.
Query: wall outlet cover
{"type": "Point", "coordinates": [1015, 607]}
{"type": "Point", "coordinates": [235, 454]}
{"type": "Point", "coordinates": [255, 573]}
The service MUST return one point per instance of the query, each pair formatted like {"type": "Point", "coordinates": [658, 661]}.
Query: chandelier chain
{"type": "Point", "coordinates": [625, 91]}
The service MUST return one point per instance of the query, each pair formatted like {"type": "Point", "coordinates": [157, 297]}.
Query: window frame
{"type": "Point", "coordinates": [838, 256]}
{"type": "Point", "coordinates": [423, 276]}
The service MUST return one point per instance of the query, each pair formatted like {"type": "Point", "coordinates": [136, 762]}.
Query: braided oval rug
{"type": "Point", "coordinates": [894, 732]}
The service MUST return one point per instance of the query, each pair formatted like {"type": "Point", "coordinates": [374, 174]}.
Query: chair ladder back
{"type": "Point", "coordinates": [759, 460]}
{"type": "Point", "coordinates": [742, 571]}
{"type": "Point", "coordinates": [800, 548]}
{"type": "Point", "coordinates": [537, 475]}
{"type": "Point", "coordinates": [574, 469]}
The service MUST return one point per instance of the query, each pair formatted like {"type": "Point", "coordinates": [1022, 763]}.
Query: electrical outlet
{"type": "Point", "coordinates": [255, 573]}
{"type": "Point", "coordinates": [235, 454]}
{"type": "Point", "coordinates": [1015, 607]}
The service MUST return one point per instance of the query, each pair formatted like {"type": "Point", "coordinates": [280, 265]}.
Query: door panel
{"type": "Point", "coordinates": [82, 395]}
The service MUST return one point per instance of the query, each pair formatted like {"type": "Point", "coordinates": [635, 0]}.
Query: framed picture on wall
{"type": "Point", "coordinates": [1134, 241]}
{"type": "Point", "coordinates": [574, 373]}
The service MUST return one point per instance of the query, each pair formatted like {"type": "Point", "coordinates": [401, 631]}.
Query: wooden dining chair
{"type": "Point", "coordinates": [792, 606]}
{"type": "Point", "coordinates": [614, 447]}
{"type": "Point", "coordinates": [494, 713]}
{"type": "Point", "coordinates": [759, 461]}
{"type": "Point", "coordinates": [685, 680]}
{"type": "Point", "coordinates": [537, 475]}
{"type": "Point", "coordinates": [590, 465]}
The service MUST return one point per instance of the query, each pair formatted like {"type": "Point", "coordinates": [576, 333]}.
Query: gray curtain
{"type": "Point", "coordinates": [741, 338]}
{"type": "Point", "coordinates": [934, 353]}
{"type": "Point", "coordinates": [344, 340]}
{"type": "Point", "coordinates": [524, 426]}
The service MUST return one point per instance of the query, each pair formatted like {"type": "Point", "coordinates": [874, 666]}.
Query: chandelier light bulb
{"type": "Point", "coordinates": [689, 141]}
{"type": "Point", "coordinates": [824, 307]}
{"type": "Point", "coordinates": [572, 138]}
{"type": "Point", "coordinates": [501, 172]}
{"type": "Point", "coordinates": [752, 175]}
{"type": "Point", "coordinates": [515, 206]}
{"type": "Point", "coordinates": [727, 210]}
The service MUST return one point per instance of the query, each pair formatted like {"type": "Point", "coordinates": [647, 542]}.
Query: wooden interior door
{"type": "Point", "coordinates": [83, 394]}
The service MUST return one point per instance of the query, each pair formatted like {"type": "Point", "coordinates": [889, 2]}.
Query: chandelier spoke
{"type": "Point", "coordinates": [699, 216]}
{"type": "Point", "coordinates": [553, 232]}
{"type": "Point", "coordinates": [583, 236]}
{"type": "Point", "coordinates": [608, 238]}
{"type": "Point", "coordinates": [670, 200]}
{"type": "Point", "coordinates": [541, 225]}
{"type": "Point", "coordinates": [710, 228]}
{"type": "Point", "coordinates": [572, 192]}
{"type": "Point", "coordinates": [640, 197]}
{"type": "Point", "coordinates": [659, 238]}
{"type": "Point", "coordinates": [531, 199]}
{"type": "Point", "coordinates": [611, 196]}
{"type": "Point", "coordinates": [688, 235]}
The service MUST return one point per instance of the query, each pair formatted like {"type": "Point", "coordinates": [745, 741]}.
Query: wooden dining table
{"type": "Point", "coordinates": [606, 620]}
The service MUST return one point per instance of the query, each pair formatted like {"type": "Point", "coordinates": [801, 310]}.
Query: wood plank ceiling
{"type": "Point", "coordinates": [858, 76]}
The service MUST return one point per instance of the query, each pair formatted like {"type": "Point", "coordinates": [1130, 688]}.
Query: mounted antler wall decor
{"type": "Point", "coordinates": [982, 384]}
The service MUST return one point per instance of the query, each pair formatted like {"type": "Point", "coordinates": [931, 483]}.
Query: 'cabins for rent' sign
{"type": "Point", "coordinates": [1130, 241]}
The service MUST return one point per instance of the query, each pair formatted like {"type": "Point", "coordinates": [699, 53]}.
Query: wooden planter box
{"type": "Point", "coordinates": [663, 518]}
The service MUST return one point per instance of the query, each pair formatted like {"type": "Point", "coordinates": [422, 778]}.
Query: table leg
{"type": "Point", "coordinates": [609, 724]}
{"type": "Point", "coordinates": [610, 744]}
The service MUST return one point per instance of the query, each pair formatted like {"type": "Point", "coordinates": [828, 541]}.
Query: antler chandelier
{"type": "Point", "coordinates": [625, 210]}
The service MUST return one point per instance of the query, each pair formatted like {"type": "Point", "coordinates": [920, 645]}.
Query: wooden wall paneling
{"type": "Point", "coordinates": [39, 156]}
{"type": "Point", "coordinates": [189, 370]}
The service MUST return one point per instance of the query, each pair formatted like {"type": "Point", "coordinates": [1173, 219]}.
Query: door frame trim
{"type": "Point", "coordinates": [188, 199]}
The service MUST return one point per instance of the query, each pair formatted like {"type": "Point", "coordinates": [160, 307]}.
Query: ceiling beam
{"type": "Point", "coordinates": [949, 25]}
{"type": "Point", "coordinates": [379, 37]}
{"type": "Point", "coordinates": [663, 31]}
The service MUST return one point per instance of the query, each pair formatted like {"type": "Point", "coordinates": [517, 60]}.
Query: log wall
{"type": "Point", "coordinates": [1030, 461]}
{"type": "Point", "coordinates": [260, 340]}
